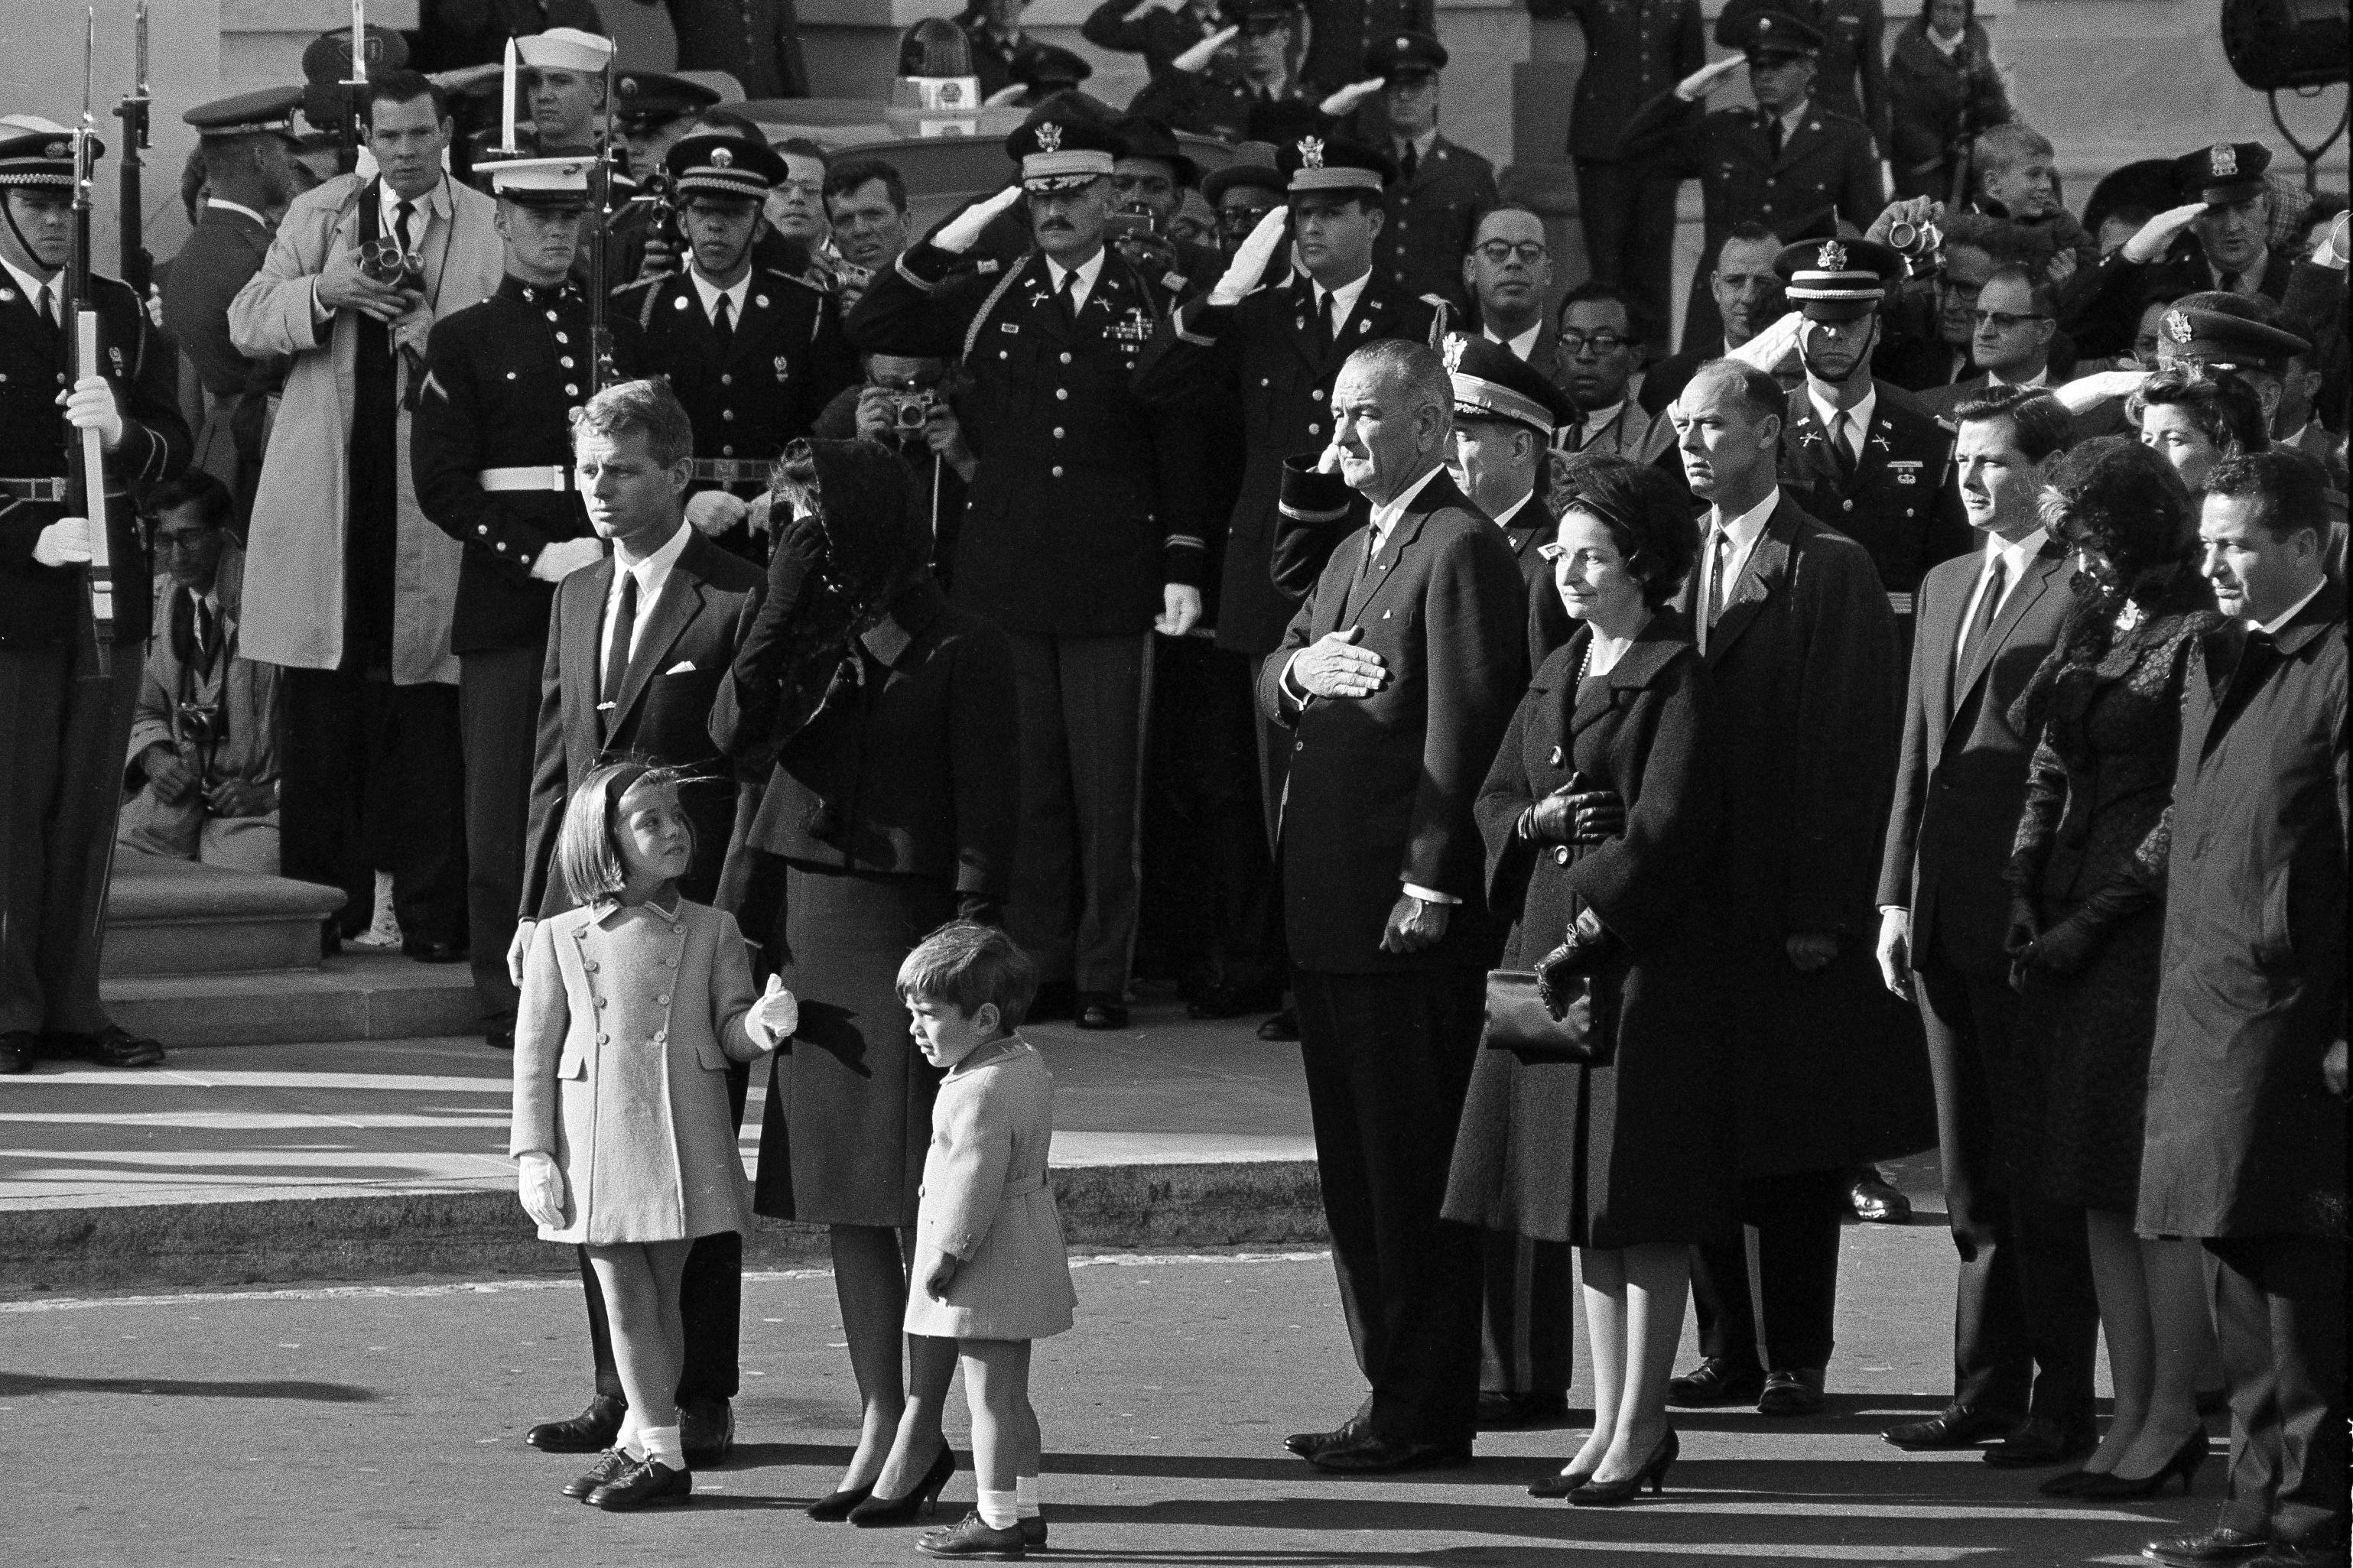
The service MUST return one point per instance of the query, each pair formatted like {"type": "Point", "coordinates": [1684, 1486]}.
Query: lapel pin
{"type": "Point", "coordinates": [761, 300]}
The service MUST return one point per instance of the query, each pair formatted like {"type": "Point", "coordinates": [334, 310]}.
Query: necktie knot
{"type": "Point", "coordinates": [404, 225]}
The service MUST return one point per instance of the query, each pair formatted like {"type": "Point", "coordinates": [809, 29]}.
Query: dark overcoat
{"type": "Point", "coordinates": [2243, 1140]}
{"type": "Point", "coordinates": [1381, 788]}
{"type": "Point", "coordinates": [1901, 503]}
{"type": "Point", "coordinates": [1829, 166]}
{"type": "Point", "coordinates": [1802, 669]}
{"type": "Point", "coordinates": [1639, 1151]}
{"type": "Point", "coordinates": [1431, 218]}
{"type": "Point", "coordinates": [1935, 101]}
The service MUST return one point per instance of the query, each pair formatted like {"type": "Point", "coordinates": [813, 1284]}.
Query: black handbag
{"type": "Point", "coordinates": [1518, 1020]}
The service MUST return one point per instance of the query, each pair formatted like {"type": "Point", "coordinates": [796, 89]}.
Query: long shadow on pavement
{"type": "Point", "coordinates": [26, 1382]}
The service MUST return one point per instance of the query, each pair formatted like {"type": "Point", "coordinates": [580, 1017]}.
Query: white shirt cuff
{"type": "Point", "coordinates": [1430, 895]}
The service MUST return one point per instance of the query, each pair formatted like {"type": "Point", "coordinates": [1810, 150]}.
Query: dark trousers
{"type": "Point", "coordinates": [2279, 1312]}
{"type": "Point", "coordinates": [1075, 865]}
{"type": "Point", "coordinates": [1630, 239]}
{"type": "Point", "coordinates": [497, 717]}
{"type": "Point", "coordinates": [1527, 1342]}
{"type": "Point", "coordinates": [374, 779]}
{"type": "Point", "coordinates": [1768, 1299]}
{"type": "Point", "coordinates": [2025, 1321]}
{"type": "Point", "coordinates": [1388, 1062]}
{"type": "Point", "coordinates": [64, 729]}
{"type": "Point", "coordinates": [710, 1300]}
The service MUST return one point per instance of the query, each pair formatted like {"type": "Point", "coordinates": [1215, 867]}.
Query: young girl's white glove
{"type": "Point", "coordinates": [959, 232]}
{"type": "Point", "coordinates": [1250, 262]}
{"type": "Point", "coordinates": [774, 1017]}
{"type": "Point", "coordinates": [541, 1185]}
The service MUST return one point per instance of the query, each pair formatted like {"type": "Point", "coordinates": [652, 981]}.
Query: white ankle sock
{"type": "Point", "coordinates": [1026, 1501]}
{"type": "Point", "coordinates": [629, 1439]}
{"type": "Point", "coordinates": [661, 1443]}
{"type": "Point", "coordinates": [998, 1510]}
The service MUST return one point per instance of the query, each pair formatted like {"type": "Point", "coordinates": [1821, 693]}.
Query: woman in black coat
{"type": "Point", "coordinates": [1600, 815]}
{"type": "Point", "coordinates": [1942, 89]}
{"type": "Point", "coordinates": [2087, 880]}
{"type": "Point", "coordinates": [888, 716]}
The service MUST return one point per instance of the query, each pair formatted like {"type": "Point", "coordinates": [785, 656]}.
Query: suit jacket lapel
{"type": "Point", "coordinates": [2013, 610]}
{"type": "Point", "coordinates": [1807, 446]}
{"type": "Point", "coordinates": [1392, 557]}
{"type": "Point", "coordinates": [682, 595]}
{"type": "Point", "coordinates": [1761, 577]}
{"type": "Point", "coordinates": [584, 618]}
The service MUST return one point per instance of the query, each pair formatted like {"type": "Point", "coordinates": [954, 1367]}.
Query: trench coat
{"type": "Point", "coordinates": [294, 581]}
{"type": "Point", "coordinates": [630, 1016]}
{"type": "Point", "coordinates": [2243, 1140]}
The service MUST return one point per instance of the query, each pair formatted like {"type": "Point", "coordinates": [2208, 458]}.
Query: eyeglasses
{"type": "Point", "coordinates": [1965, 292]}
{"type": "Point", "coordinates": [1241, 220]}
{"type": "Point", "coordinates": [1601, 344]}
{"type": "Point", "coordinates": [1529, 251]}
{"type": "Point", "coordinates": [2003, 320]}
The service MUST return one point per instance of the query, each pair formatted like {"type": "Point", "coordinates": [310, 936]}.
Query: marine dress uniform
{"type": "Point", "coordinates": [491, 448]}
{"type": "Point", "coordinates": [755, 363]}
{"type": "Point", "coordinates": [64, 723]}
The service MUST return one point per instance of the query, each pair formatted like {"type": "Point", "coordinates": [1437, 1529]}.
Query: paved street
{"type": "Point", "coordinates": [382, 1423]}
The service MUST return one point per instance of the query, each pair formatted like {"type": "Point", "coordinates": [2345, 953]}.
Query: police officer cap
{"type": "Point", "coordinates": [1490, 381]}
{"type": "Point", "coordinates": [35, 152]}
{"type": "Point", "coordinates": [1330, 164]}
{"type": "Point", "coordinates": [543, 182]}
{"type": "Point", "coordinates": [1765, 33]}
{"type": "Point", "coordinates": [648, 98]}
{"type": "Point", "coordinates": [1407, 54]}
{"type": "Point", "coordinates": [248, 113]}
{"type": "Point", "coordinates": [720, 164]}
{"type": "Point", "coordinates": [1838, 280]}
{"type": "Point", "coordinates": [565, 49]}
{"type": "Point", "coordinates": [2226, 171]}
{"type": "Point", "coordinates": [1049, 67]}
{"type": "Point", "coordinates": [1063, 155]}
{"type": "Point", "coordinates": [1148, 138]}
{"type": "Point", "coordinates": [2220, 342]}
{"type": "Point", "coordinates": [1257, 15]}
{"type": "Point", "coordinates": [1254, 166]}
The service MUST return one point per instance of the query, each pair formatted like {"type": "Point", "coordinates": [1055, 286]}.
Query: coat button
{"type": "Point", "coordinates": [1066, 357]}
{"type": "Point", "coordinates": [1057, 435]}
{"type": "Point", "coordinates": [726, 381]}
{"type": "Point", "coordinates": [1061, 395]}
{"type": "Point", "coordinates": [661, 999]}
{"type": "Point", "coordinates": [1560, 856]}
{"type": "Point", "coordinates": [1058, 467]}
{"type": "Point", "coordinates": [728, 414]}
{"type": "Point", "coordinates": [1554, 758]}
{"type": "Point", "coordinates": [591, 966]}
{"type": "Point", "coordinates": [603, 1040]}
{"type": "Point", "coordinates": [1848, 505]}
{"type": "Point", "coordinates": [599, 1001]}
{"type": "Point", "coordinates": [669, 963]}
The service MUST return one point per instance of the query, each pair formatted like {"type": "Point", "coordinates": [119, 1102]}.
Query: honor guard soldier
{"type": "Point", "coordinates": [65, 726]}
{"type": "Point", "coordinates": [1869, 460]}
{"type": "Point", "coordinates": [490, 447]}
{"type": "Point", "coordinates": [1080, 538]}
{"type": "Point", "coordinates": [753, 352]}
{"type": "Point", "coordinates": [1442, 189]}
{"type": "Point", "coordinates": [653, 109]}
{"type": "Point", "coordinates": [1788, 163]}
{"type": "Point", "coordinates": [1249, 94]}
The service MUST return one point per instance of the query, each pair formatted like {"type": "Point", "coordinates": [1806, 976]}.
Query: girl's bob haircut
{"type": "Point", "coordinates": [588, 850]}
{"type": "Point", "coordinates": [968, 964]}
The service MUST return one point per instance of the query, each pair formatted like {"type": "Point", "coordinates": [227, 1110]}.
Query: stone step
{"type": "Point", "coordinates": [177, 918]}
{"type": "Point", "coordinates": [351, 997]}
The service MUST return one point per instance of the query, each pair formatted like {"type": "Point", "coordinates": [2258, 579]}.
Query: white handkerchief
{"type": "Point", "coordinates": [683, 667]}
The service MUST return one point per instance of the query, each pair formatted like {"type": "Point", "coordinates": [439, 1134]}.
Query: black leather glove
{"type": "Point", "coordinates": [2065, 947]}
{"type": "Point", "coordinates": [1586, 946]}
{"type": "Point", "coordinates": [800, 551]}
{"type": "Point", "coordinates": [1576, 813]}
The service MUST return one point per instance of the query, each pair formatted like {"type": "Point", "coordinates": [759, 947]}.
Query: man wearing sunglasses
{"type": "Point", "coordinates": [2010, 330]}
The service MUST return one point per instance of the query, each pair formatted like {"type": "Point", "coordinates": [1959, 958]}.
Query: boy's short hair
{"type": "Point", "coordinates": [587, 848]}
{"type": "Point", "coordinates": [2008, 145]}
{"type": "Point", "coordinates": [968, 964]}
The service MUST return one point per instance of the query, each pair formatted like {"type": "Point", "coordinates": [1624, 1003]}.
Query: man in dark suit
{"type": "Point", "coordinates": [1797, 639]}
{"type": "Point", "coordinates": [1397, 679]}
{"type": "Point", "coordinates": [1441, 188]}
{"type": "Point", "coordinates": [639, 644]}
{"type": "Point", "coordinates": [1074, 470]}
{"type": "Point", "coordinates": [1508, 271]}
{"type": "Point", "coordinates": [66, 721]}
{"type": "Point", "coordinates": [2023, 1302]}
{"type": "Point", "coordinates": [2010, 340]}
{"type": "Point", "coordinates": [2246, 1143]}
{"type": "Point", "coordinates": [1747, 295]}
{"type": "Point", "coordinates": [1864, 459]}
{"type": "Point", "coordinates": [1789, 164]}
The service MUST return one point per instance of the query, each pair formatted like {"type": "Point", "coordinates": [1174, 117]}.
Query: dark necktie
{"type": "Point", "coordinates": [1570, 436]}
{"type": "Point", "coordinates": [1989, 606]}
{"type": "Point", "coordinates": [1069, 297]}
{"type": "Point", "coordinates": [1327, 326]}
{"type": "Point", "coordinates": [2256, 655]}
{"type": "Point", "coordinates": [722, 326]}
{"type": "Point", "coordinates": [50, 302]}
{"type": "Point", "coordinates": [1711, 603]}
{"type": "Point", "coordinates": [402, 217]}
{"type": "Point", "coordinates": [616, 658]}
{"type": "Point", "coordinates": [1841, 426]}
{"type": "Point", "coordinates": [1407, 161]}
{"type": "Point", "coordinates": [1773, 137]}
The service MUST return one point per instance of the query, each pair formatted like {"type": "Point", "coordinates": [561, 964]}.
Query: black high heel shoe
{"type": "Point", "coordinates": [2113, 1487]}
{"type": "Point", "coordinates": [830, 1510]}
{"type": "Point", "coordinates": [881, 1511]}
{"type": "Point", "coordinates": [1609, 1494]}
{"type": "Point", "coordinates": [1561, 1483]}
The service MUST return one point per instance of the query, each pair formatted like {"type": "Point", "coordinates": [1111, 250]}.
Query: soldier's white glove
{"type": "Point", "coordinates": [562, 558]}
{"type": "Point", "coordinates": [957, 235]}
{"type": "Point", "coordinates": [64, 542]}
{"type": "Point", "coordinates": [713, 512]}
{"type": "Point", "coordinates": [1138, 12]}
{"type": "Point", "coordinates": [1005, 97]}
{"type": "Point", "coordinates": [1250, 262]}
{"type": "Point", "coordinates": [2154, 235]}
{"type": "Point", "coordinates": [2088, 392]}
{"type": "Point", "coordinates": [1701, 81]}
{"type": "Point", "coordinates": [774, 1017]}
{"type": "Point", "coordinates": [1345, 102]}
{"type": "Point", "coordinates": [2329, 246]}
{"type": "Point", "coordinates": [1769, 348]}
{"type": "Point", "coordinates": [1197, 60]}
{"type": "Point", "coordinates": [540, 1184]}
{"type": "Point", "coordinates": [90, 407]}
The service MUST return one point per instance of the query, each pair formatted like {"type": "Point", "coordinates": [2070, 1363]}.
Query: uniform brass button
{"type": "Point", "coordinates": [566, 362]}
{"type": "Point", "coordinates": [1066, 356]}
{"type": "Point", "coordinates": [1298, 745]}
{"type": "Point", "coordinates": [570, 390]}
{"type": "Point", "coordinates": [726, 451]}
{"type": "Point", "coordinates": [662, 999]}
{"type": "Point", "coordinates": [1313, 429]}
{"type": "Point", "coordinates": [560, 336]}
{"type": "Point", "coordinates": [1058, 433]}
{"type": "Point", "coordinates": [727, 413]}
{"type": "Point", "coordinates": [1847, 504]}
{"type": "Point", "coordinates": [1058, 471]}
{"type": "Point", "coordinates": [726, 381]}
{"type": "Point", "coordinates": [1061, 395]}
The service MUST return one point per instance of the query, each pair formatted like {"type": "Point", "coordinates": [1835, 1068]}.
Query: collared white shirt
{"type": "Point", "coordinates": [1420, 144]}
{"type": "Point", "coordinates": [1743, 532]}
{"type": "Point", "coordinates": [2016, 556]}
{"type": "Point", "coordinates": [1858, 417]}
{"type": "Point", "coordinates": [1521, 346]}
{"type": "Point", "coordinates": [2251, 276]}
{"type": "Point", "coordinates": [31, 287]}
{"type": "Point", "coordinates": [2272, 628]}
{"type": "Point", "coordinates": [1088, 270]}
{"type": "Point", "coordinates": [1344, 300]}
{"type": "Point", "coordinates": [1791, 120]}
{"type": "Point", "coordinates": [423, 210]}
{"type": "Point", "coordinates": [1995, 378]}
{"type": "Point", "coordinates": [650, 573]}
{"type": "Point", "coordinates": [1596, 420]}
{"type": "Point", "coordinates": [229, 206]}
{"type": "Point", "coordinates": [710, 293]}
{"type": "Point", "coordinates": [1942, 44]}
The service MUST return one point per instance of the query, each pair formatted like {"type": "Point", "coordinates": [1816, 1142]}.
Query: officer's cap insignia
{"type": "Point", "coordinates": [1050, 137]}
{"type": "Point", "coordinates": [55, 150]}
{"type": "Point", "coordinates": [721, 158]}
{"type": "Point", "coordinates": [2177, 326]}
{"type": "Point", "coordinates": [1453, 352]}
{"type": "Point", "coordinates": [1311, 151]}
{"type": "Point", "coordinates": [1833, 257]}
{"type": "Point", "coordinates": [2224, 159]}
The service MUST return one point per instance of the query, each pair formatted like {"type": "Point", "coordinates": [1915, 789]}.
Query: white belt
{"type": "Point", "coordinates": [1900, 602]}
{"type": "Point", "coordinates": [549, 476]}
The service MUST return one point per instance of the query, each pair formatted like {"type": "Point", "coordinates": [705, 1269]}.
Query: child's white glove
{"type": "Point", "coordinates": [1250, 262]}
{"type": "Point", "coordinates": [959, 233]}
{"type": "Point", "coordinates": [541, 1185]}
{"type": "Point", "coordinates": [774, 1017]}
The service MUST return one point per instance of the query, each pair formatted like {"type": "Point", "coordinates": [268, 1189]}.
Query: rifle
{"type": "Point", "coordinates": [85, 449]}
{"type": "Point", "coordinates": [138, 268]}
{"type": "Point", "coordinates": [356, 90]}
{"type": "Point", "coordinates": [601, 372]}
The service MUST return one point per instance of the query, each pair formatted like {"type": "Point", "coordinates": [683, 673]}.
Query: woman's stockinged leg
{"type": "Point", "coordinates": [1657, 1283]}
{"type": "Point", "coordinates": [931, 1369]}
{"type": "Point", "coordinates": [1603, 1272]}
{"type": "Point", "coordinates": [870, 1283]}
{"type": "Point", "coordinates": [2122, 1287]}
{"type": "Point", "coordinates": [2182, 1330]}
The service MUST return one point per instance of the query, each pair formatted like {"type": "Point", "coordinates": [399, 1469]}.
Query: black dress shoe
{"type": "Point", "coordinates": [1100, 1010]}
{"type": "Point", "coordinates": [1955, 1427]}
{"type": "Point", "coordinates": [1033, 1532]}
{"type": "Point", "coordinates": [1792, 1393]}
{"type": "Point", "coordinates": [590, 1432]}
{"type": "Point", "coordinates": [973, 1536]}
{"type": "Point", "coordinates": [1284, 1026]}
{"type": "Point", "coordinates": [2219, 1544]}
{"type": "Point", "coordinates": [1716, 1380]}
{"type": "Point", "coordinates": [1878, 1199]}
{"type": "Point", "coordinates": [1498, 1411]}
{"type": "Point", "coordinates": [706, 1431]}
{"type": "Point", "coordinates": [1307, 1445]}
{"type": "Point", "coordinates": [2185, 1462]}
{"type": "Point", "coordinates": [610, 1466]}
{"type": "Point", "coordinates": [113, 1046]}
{"type": "Point", "coordinates": [17, 1049]}
{"type": "Point", "coordinates": [1369, 1453]}
{"type": "Point", "coordinates": [1055, 1000]}
{"type": "Point", "coordinates": [647, 1483]}
{"type": "Point", "coordinates": [2041, 1443]}
{"type": "Point", "coordinates": [427, 949]}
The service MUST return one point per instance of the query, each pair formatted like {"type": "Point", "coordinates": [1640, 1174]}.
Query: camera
{"type": "Point", "coordinates": [382, 261]}
{"type": "Point", "coordinates": [909, 411]}
{"type": "Point", "coordinates": [1131, 222]}
{"type": "Point", "coordinates": [204, 723]}
{"type": "Point", "coordinates": [1914, 241]}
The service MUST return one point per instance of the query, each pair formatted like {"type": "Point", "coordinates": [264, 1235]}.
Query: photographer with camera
{"type": "Point", "coordinates": [1149, 182]}
{"type": "Point", "coordinates": [905, 404]}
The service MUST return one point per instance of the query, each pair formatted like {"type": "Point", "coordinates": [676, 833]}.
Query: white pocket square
{"type": "Point", "coordinates": [683, 667]}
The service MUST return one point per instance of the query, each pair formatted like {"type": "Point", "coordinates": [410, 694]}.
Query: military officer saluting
{"type": "Point", "coordinates": [63, 728]}
{"type": "Point", "coordinates": [1869, 460]}
{"type": "Point", "coordinates": [491, 451]}
{"type": "Point", "coordinates": [753, 352]}
{"type": "Point", "coordinates": [1442, 189]}
{"type": "Point", "coordinates": [1788, 163]}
